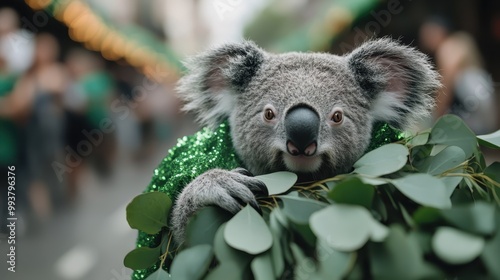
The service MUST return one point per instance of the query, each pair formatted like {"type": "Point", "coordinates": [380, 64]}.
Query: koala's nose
{"type": "Point", "coordinates": [301, 126]}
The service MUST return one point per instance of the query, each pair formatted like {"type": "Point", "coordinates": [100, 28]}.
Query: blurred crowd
{"type": "Point", "coordinates": [468, 89]}
{"type": "Point", "coordinates": [63, 114]}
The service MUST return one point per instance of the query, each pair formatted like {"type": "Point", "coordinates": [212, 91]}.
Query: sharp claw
{"type": "Point", "coordinates": [256, 206]}
{"type": "Point", "coordinates": [263, 188]}
{"type": "Point", "coordinates": [243, 171]}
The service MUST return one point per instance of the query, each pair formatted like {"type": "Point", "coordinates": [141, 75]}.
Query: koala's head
{"type": "Point", "coordinates": [309, 113]}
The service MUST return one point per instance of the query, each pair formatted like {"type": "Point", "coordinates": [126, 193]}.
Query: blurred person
{"type": "Point", "coordinates": [45, 83]}
{"type": "Point", "coordinates": [433, 33]}
{"type": "Point", "coordinates": [10, 152]}
{"type": "Point", "coordinates": [87, 104]}
{"type": "Point", "coordinates": [468, 89]}
{"type": "Point", "coordinates": [16, 45]}
{"type": "Point", "coordinates": [36, 103]}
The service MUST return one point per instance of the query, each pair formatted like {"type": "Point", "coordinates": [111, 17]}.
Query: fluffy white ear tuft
{"type": "Point", "coordinates": [398, 80]}
{"type": "Point", "coordinates": [216, 77]}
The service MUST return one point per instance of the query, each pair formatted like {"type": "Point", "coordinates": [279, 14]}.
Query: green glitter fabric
{"type": "Point", "coordinates": [205, 150]}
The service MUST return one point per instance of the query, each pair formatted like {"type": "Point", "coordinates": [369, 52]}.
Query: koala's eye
{"type": "Point", "coordinates": [269, 114]}
{"type": "Point", "coordinates": [337, 117]}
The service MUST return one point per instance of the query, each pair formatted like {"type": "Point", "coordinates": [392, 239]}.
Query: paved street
{"type": "Point", "coordinates": [89, 240]}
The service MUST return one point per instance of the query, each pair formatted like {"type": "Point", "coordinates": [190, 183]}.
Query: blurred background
{"type": "Point", "coordinates": [88, 106]}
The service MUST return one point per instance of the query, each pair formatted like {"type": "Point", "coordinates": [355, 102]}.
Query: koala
{"type": "Point", "coordinates": [308, 113]}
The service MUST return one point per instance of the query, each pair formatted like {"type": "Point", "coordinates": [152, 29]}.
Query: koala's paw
{"type": "Point", "coordinates": [230, 190]}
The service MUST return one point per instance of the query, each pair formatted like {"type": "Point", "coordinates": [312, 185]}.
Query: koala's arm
{"type": "Point", "coordinates": [230, 190]}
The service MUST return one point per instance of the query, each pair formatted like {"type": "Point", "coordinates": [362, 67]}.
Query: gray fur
{"type": "Point", "coordinates": [379, 81]}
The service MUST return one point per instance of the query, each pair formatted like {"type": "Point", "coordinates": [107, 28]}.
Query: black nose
{"type": "Point", "coordinates": [301, 126]}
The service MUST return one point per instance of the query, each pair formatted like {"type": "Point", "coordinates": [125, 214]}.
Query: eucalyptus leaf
{"type": "Point", "coordinates": [476, 217]}
{"type": "Point", "coordinates": [426, 216]}
{"type": "Point", "coordinates": [445, 160]}
{"type": "Point", "coordinates": [383, 160]}
{"type": "Point", "coordinates": [226, 270]}
{"type": "Point", "coordinates": [493, 171]}
{"type": "Point", "coordinates": [491, 140]}
{"type": "Point", "coordinates": [346, 227]}
{"type": "Point", "coordinates": [424, 189]}
{"type": "Point", "coordinates": [399, 257]}
{"type": "Point", "coordinates": [142, 257]}
{"type": "Point", "coordinates": [456, 247]}
{"type": "Point", "coordinates": [491, 254]}
{"type": "Point", "coordinates": [305, 267]}
{"type": "Point", "coordinates": [248, 232]}
{"type": "Point", "coordinates": [192, 263]}
{"type": "Point", "coordinates": [277, 250]}
{"type": "Point", "coordinates": [262, 267]}
{"type": "Point", "coordinates": [278, 182]}
{"type": "Point", "coordinates": [451, 182]}
{"type": "Point", "coordinates": [353, 191]}
{"type": "Point", "coordinates": [305, 232]}
{"type": "Point", "coordinates": [450, 130]}
{"type": "Point", "coordinates": [419, 139]}
{"type": "Point", "coordinates": [373, 181]}
{"type": "Point", "coordinates": [160, 274]}
{"type": "Point", "coordinates": [225, 253]}
{"type": "Point", "coordinates": [462, 195]}
{"type": "Point", "coordinates": [203, 225]}
{"type": "Point", "coordinates": [332, 264]}
{"type": "Point", "coordinates": [148, 212]}
{"type": "Point", "coordinates": [299, 209]}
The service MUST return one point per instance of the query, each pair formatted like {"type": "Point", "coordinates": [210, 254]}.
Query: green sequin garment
{"type": "Point", "coordinates": [205, 150]}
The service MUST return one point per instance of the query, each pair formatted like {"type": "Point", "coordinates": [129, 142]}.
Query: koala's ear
{"type": "Point", "coordinates": [398, 81]}
{"type": "Point", "coordinates": [215, 78]}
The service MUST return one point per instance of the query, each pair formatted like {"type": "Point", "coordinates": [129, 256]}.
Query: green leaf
{"type": "Point", "coordinates": [456, 247]}
{"type": "Point", "coordinates": [278, 182]}
{"type": "Point", "coordinates": [373, 181]}
{"type": "Point", "coordinates": [226, 270]}
{"type": "Point", "coordinates": [424, 189]}
{"type": "Point", "coordinates": [346, 227]}
{"type": "Point", "coordinates": [192, 263]}
{"type": "Point", "coordinates": [305, 267]}
{"type": "Point", "coordinates": [142, 258]}
{"type": "Point", "coordinates": [148, 212]}
{"type": "Point", "coordinates": [462, 195]}
{"type": "Point", "coordinates": [353, 191]}
{"type": "Point", "coordinates": [445, 160]}
{"type": "Point", "coordinates": [491, 254]}
{"type": "Point", "coordinates": [262, 267]}
{"type": "Point", "coordinates": [226, 253]}
{"type": "Point", "coordinates": [451, 182]}
{"type": "Point", "coordinates": [493, 171]}
{"type": "Point", "coordinates": [384, 160]}
{"type": "Point", "coordinates": [426, 215]}
{"type": "Point", "coordinates": [450, 130]}
{"type": "Point", "coordinates": [248, 232]}
{"type": "Point", "coordinates": [160, 274]}
{"type": "Point", "coordinates": [332, 263]}
{"type": "Point", "coordinates": [276, 249]}
{"type": "Point", "coordinates": [299, 209]}
{"type": "Point", "coordinates": [203, 225]}
{"type": "Point", "coordinates": [491, 140]}
{"type": "Point", "coordinates": [399, 257]}
{"type": "Point", "coordinates": [477, 217]}
{"type": "Point", "coordinates": [419, 139]}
